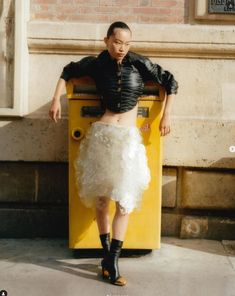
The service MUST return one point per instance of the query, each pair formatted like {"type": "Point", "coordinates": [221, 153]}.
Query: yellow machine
{"type": "Point", "coordinates": [144, 227]}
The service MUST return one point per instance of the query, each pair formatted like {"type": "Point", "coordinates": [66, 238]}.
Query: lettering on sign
{"type": "Point", "coordinates": [221, 6]}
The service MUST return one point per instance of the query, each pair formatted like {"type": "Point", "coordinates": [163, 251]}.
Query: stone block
{"type": "Point", "coordinates": [208, 189]}
{"type": "Point", "coordinates": [169, 180]}
{"type": "Point", "coordinates": [52, 183]}
{"type": "Point", "coordinates": [221, 228]}
{"type": "Point", "coordinates": [35, 139]}
{"type": "Point", "coordinates": [17, 182]}
{"type": "Point", "coordinates": [31, 223]}
{"type": "Point", "coordinates": [196, 142]}
{"type": "Point", "coordinates": [194, 227]}
{"type": "Point", "coordinates": [28, 182]}
{"type": "Point", "coordinates": [170, 224]}
{"type": "Point", "coordinates": [207, 227]}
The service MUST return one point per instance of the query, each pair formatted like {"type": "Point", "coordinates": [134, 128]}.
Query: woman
{"type": "Point", "coordinates": [112, 161]}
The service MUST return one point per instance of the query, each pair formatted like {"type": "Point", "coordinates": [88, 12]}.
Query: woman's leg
{"type": "Point", "coordinates": [120, 221]}
{"type": "Point", "coordinates": [102, 214]}
{"type": "Point", "coordinates": [102, 218]}
{"type": "Point", "coordinates": [119, 225]}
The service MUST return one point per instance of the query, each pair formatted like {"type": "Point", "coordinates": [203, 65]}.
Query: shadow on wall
{"type": "Point", "coordinates": [37, 137]}
{"type": "Point", "coordinates": [34, 176]}
{"type": "Point", "coordinates": [224, 162]}
{"type": "Point", "coordinates": [34, 137]}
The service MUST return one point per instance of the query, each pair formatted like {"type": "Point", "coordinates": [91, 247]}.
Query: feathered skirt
{"type": "Point", "coordinates": [112, 162]}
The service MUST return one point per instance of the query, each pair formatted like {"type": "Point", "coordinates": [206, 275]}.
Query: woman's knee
{"type": "Point", "coordinates": [120, 210]}
{"type": "Point", "coordinates": [102, 203]}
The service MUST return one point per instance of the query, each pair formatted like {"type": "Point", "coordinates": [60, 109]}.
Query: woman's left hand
{"type": "Point", "coordinates": [165, 125]}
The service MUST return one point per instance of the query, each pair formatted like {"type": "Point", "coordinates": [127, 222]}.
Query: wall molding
{"type": "Point", "coordinates": [153, 49]}
{"type": "Point", "coordinates": [181, 41]}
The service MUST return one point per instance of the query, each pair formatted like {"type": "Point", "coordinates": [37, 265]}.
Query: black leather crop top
{"type": "Point", "coordinates": [120, 85]}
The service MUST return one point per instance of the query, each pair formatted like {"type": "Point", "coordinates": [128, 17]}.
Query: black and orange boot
{"type": "Point", "coordinates": [105, 242]}
{"type": "Point", "coordinates": [112, 263]}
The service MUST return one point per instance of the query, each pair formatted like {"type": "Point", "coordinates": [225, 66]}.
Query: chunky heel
{"type": "Point", "coordinates": [105, 272]}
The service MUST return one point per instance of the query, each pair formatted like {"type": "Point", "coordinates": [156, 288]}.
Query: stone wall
{"type": "Point", "coordinates": [196, 203]}
{"type": "Point", "coordinates": [199, 165]}
{"type": "Point", "coordinates": [34, 199]}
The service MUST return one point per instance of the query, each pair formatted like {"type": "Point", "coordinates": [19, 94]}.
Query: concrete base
{"type": "Point", "coordinates": [181, 267]}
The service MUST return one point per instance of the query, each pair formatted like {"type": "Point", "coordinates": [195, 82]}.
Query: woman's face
{"type": "Point", "coordinates": [118, 44]}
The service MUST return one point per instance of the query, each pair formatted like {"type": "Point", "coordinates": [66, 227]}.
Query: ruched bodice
{"type": "Point", "coordinates": [120, 85]}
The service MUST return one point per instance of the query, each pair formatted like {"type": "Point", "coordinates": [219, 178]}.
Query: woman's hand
{"type": "Point", "coordinates": [55, 110]}
{"type": "Point", "coordinates": [165, 125]}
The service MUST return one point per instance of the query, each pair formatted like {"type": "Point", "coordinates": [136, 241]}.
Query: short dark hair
{"type": "Point", "coordinates": [113, 26]}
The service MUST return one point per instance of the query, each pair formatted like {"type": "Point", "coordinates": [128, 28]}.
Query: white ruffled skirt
{"type": "Point", "coordinates": [112, 162]}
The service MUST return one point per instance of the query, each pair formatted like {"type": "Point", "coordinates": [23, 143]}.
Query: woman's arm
{"type": "Point", "coordinates": [55, 108]}
{"type": "Point", "coordinates": [154, 72]}
{"type": "Point", "coordinates": [78, 69]}
{"type": "Point", "coordinates": [165, 124]}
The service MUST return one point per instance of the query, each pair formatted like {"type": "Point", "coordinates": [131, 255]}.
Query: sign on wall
{"type": "Point", "coordinates": [221, 6]}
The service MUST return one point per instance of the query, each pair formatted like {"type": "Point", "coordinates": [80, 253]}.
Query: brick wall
{"type": "Point", "coordinates": [105, 11]}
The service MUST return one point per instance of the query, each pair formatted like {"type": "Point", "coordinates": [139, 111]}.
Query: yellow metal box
{"type": "Point", "coordinates": [144, 227]}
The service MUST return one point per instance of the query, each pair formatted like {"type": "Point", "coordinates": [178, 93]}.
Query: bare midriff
{"type": "Point", "coordinates": [125, 119]}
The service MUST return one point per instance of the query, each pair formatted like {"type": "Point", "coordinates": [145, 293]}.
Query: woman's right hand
{"type": "Point", "coordinates": [55, 110]}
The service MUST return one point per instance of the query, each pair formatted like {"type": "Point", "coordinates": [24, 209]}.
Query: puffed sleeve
{"type": "Point", "coordinates": [84, 67]}
{"type": "Point", "coordinates": [154, 72]}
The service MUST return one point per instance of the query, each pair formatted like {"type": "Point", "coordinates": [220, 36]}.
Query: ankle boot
{"type": "Point", "coordinates": [105, 242]}
{"type": "Point", "coordinates": [112, 266]}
